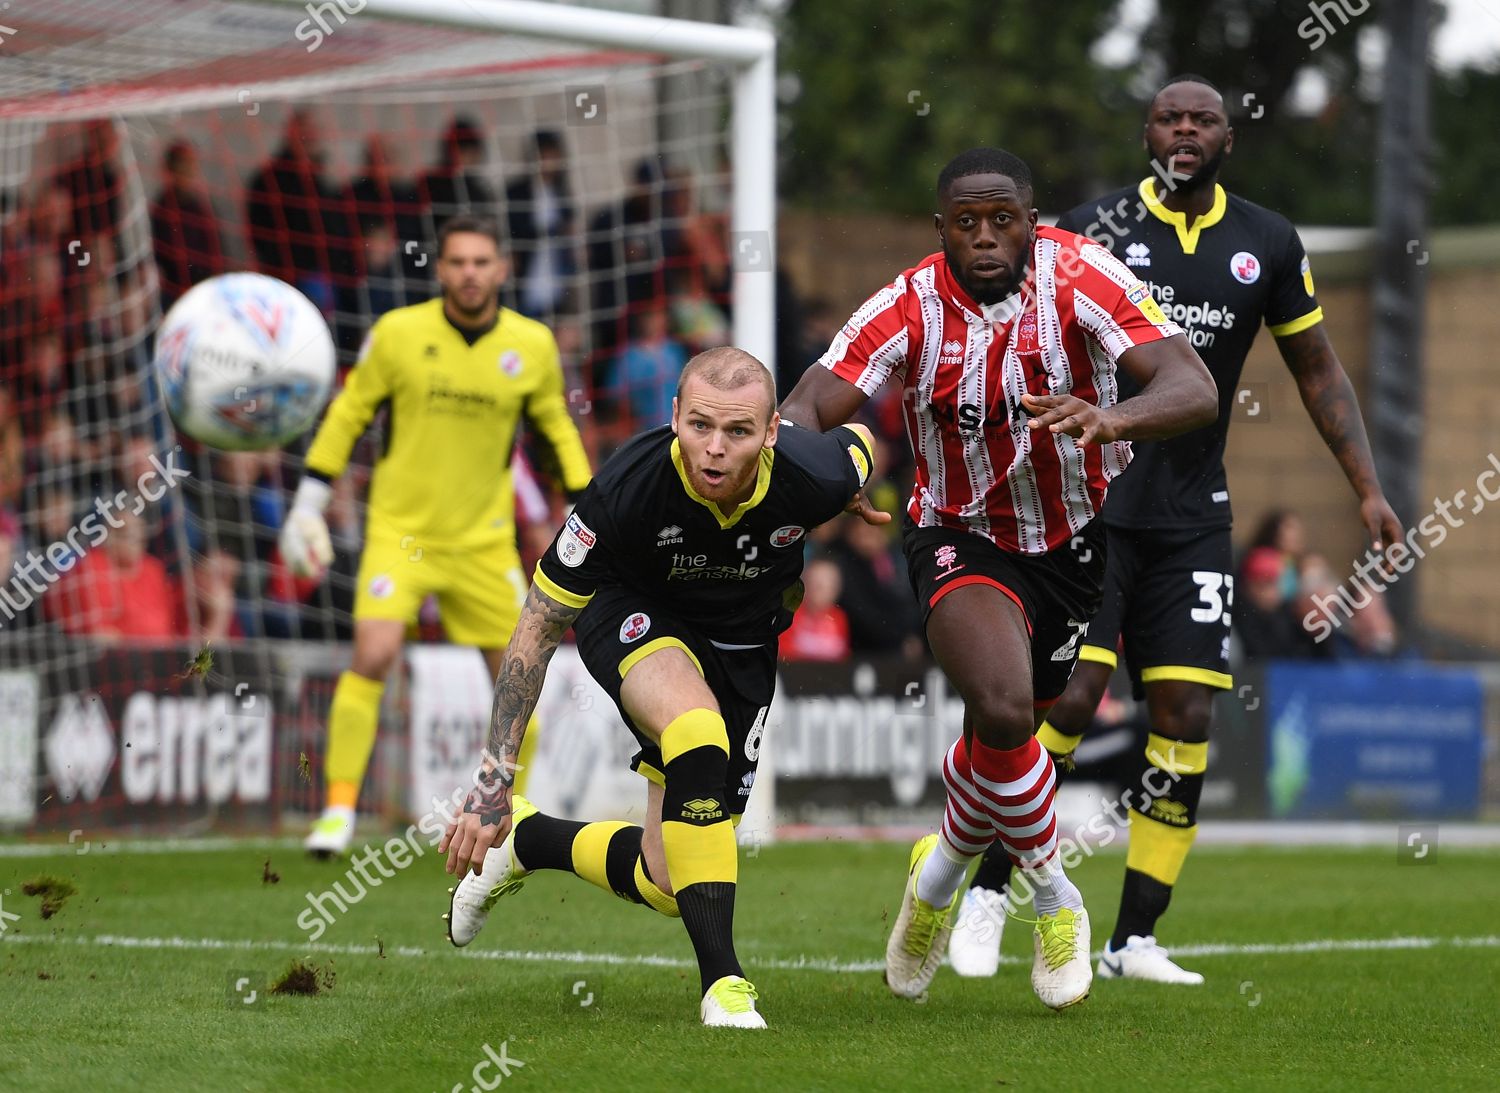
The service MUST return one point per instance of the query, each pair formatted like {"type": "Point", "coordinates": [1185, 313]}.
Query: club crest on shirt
{"type": "Point", "coordinates": [787, 535]}
{"type": "Point", "coordinates": [946, 557]}
{"type": "Point", "coordinates": [634, 627]}
{"type": "Point", "coordinates": [510, 363]}
{"type": "Point", "coordinates": [575, 541]}
{"type": "Point", "coordinates": [1245, 267]}
{"type": "Point", "coordinates": [1026, 333]}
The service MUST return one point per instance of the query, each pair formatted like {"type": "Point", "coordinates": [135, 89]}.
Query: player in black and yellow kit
{"type": "Point", "coordinates": [1218, 266]}
{"type": "Point", "coordinates": [681, 565]}
{"type": "Point", "coordinates": [459, 374]}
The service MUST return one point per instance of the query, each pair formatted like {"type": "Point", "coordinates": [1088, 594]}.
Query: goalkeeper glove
{"type": "Point", "coordinates": [305, 545]}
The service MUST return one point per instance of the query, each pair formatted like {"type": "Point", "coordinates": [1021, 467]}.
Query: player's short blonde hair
{"type": "Point", "coordinates": [726, 368]}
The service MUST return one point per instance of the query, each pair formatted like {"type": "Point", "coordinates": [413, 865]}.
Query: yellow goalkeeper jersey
{"type": "Point", "coordinates": [444, 476]}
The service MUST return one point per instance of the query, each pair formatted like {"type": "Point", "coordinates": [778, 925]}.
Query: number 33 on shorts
{"type": "Point", "coordinates": [1215, 594]}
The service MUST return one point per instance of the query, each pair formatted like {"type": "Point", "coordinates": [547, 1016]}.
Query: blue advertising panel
{"type": "Point", "coordinates": [1373, 740]}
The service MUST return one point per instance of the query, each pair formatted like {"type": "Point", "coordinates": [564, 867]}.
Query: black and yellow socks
{"type": "Point", "coordinates": [1163, 826]}
{"type": "Point", "coordinates": [606, 854]}
{"type": "Point", "coordinates": [698, 837]}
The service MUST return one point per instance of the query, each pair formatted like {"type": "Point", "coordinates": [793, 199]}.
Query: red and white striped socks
{"type": "Point", "coordinates": [1005, 795]}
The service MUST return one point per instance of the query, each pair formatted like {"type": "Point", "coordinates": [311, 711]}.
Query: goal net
{"type": "Point", "coordinates": [149, 633]}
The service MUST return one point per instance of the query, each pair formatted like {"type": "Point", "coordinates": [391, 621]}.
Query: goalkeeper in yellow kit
{"type": "Point", "coordinates": [459, 372]}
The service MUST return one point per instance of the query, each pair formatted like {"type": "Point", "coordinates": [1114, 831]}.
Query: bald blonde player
{"type": "Point", "coordinates": [459, 373]}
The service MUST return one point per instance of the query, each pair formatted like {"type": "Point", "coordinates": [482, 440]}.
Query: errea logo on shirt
{"type": "Point", "coordinates": [952, 352]}
{"type": "Point", "coordinates": [668, 535]}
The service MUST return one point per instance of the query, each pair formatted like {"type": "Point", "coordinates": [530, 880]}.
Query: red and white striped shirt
{"type": "Point", "coordinates": [964, 368]}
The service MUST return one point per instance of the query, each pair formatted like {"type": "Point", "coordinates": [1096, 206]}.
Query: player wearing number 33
{"type": "Point", "coordinates": [680, 565]}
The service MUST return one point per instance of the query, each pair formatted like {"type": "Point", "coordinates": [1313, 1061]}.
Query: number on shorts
{"type": "Point", "coordinates": [1070, 649]}
{"type": "Point", "coordinates": [1216, 604]}
{"type": "Point", "coordinates": [752, 738]}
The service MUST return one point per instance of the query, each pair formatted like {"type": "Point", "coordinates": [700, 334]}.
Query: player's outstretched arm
{"type": "Point", "coordinates": [1177, 394]}
{"type": "Point", "coordinates": [822, 400]}
{"type": "Point", "coordinates": [487, 810]}
{"type": "Point", "coordinates": [547, 411]}
{"type": "Point", "coordinates": [1334, 409]}
{"type": "Point", "coordinates": [305, 545]}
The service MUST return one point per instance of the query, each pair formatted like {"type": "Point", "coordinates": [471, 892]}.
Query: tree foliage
{"type": "Point", "coordinates": [892, 91]}
{"type": "Point", "coordinates": [888, 92]}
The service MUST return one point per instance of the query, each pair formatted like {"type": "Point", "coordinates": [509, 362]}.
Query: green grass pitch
{"type": "Point", "coordinates": [594, 994]}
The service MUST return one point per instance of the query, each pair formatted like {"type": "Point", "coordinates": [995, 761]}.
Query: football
{"type": "Point", "coordinates": [245, 361]}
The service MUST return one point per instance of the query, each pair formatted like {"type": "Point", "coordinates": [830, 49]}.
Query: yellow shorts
{"type": "Point", "coordinates": [479, 591]}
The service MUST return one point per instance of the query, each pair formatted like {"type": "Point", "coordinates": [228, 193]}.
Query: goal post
{"type": "Point", "coordinates": [97, 97]}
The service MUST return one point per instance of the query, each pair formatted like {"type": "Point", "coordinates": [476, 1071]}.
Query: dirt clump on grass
{"type": "Point", "coordinates": [305, 979]}
{"type": "Point", "coordinates": [53, 892]}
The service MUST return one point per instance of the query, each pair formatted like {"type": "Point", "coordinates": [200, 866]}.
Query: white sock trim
{"type": "Point", "coordinates": [942, 873]}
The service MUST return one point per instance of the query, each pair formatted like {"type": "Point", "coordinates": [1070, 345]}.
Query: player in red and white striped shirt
{"type": "Point", "coordinates": [1006, 345]}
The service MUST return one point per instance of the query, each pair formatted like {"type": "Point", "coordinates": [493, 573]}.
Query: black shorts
{"type": "Point", "coordinates": [1167, 600]}
{"type": "Point", "coordinates": [1058, 592]}
{"type": "Point", "coordinates": [620, 628]}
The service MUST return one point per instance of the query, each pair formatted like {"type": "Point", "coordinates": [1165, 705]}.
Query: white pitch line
{"type": "Point", "coordinates": [802, 963]}
{"type": "Point", "coordinates": [87, 847]}
{"type": "Point", "coordinates": [1216, 836]}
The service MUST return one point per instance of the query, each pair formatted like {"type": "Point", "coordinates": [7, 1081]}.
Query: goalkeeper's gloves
{"type": "Point", "coordinates": [306, 547]}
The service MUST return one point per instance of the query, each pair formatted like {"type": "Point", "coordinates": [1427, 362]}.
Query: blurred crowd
{"type": "Point", "coordinates": [631, 289]}
{"type": "Point", "coordinates": [1280, 583]}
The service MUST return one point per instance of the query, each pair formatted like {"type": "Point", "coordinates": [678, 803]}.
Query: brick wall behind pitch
{"type": "Point", "coordinates": [1275, 457]}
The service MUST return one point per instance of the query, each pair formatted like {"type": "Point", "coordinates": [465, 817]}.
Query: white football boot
{"type": "Point", "coordinates": [474, 896]}
{"type": "Point", "coordinates": [1143, 958]}
{"type": "Point", "coordinates": [920, 938]}
{"type": "Point", "coordinates": [730, 1003]}
{"type": "Point", "coordinates": [331, 833]}
{"type": "Point", "coordinates": [974, 948]}
{"type": "Point", "coordinates": [1060, 971]}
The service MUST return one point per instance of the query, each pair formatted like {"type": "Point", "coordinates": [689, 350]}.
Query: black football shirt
{"type": "Point", "coordinates": [1238, 266]}
{"type": "Point", "coordinates": [640, 524]}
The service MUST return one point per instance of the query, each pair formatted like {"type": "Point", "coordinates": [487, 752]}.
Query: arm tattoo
{"type": "Point", "coordinates": [1331, 403]}
{"type": "Point", "coordinates": [543, 623]}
